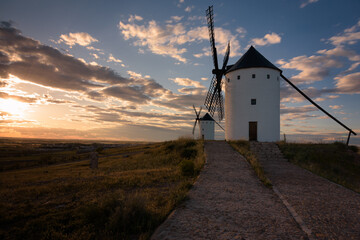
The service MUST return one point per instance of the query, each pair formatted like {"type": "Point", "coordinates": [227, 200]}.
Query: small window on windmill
{"type": "Point", "coordinates": [278, 78]}
{"type": "Point", "coordinates": [238, 77]}
{"type": "Point", "coordinates": [253, 101]}
{"type": "Point", "coordinates": [268, 76]}
{"type": "Point", "coordinates": [228, 79]}
{"type": "Point", "coordinates": [253, 76]}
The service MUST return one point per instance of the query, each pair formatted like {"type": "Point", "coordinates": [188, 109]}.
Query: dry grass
{"type": "Point", "coordinates": [243, 147]}
{"type": "Point", "coordinates": [336, 161]}
{"type": "Point", "coordinates": [127, 197]}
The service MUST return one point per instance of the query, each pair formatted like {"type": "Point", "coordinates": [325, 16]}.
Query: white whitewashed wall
{"type": "Point", "coordinates": [239, 111]}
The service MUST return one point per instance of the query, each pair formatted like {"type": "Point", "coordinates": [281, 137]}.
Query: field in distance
{"type": "Point", "coordinates": [19, 153]}
{"type": "Point", "coordinates": [51, 192]}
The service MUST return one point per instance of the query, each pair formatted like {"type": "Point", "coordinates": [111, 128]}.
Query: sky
{"type": "Point", "coordinates": [132, 70]}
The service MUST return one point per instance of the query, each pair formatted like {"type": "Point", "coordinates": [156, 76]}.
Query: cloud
{"type": "Point", "coordinates": [45, 99]}
{"type": "Point", "coordinates": [159, 40]}
{"type": "Point", "coordinates": [187, 82]}
{"type": "Point", "coordinates": [319, 66]}
{"type": "Point", "coordinates": [177, 18]}
{"type": "Point", "coordinates": [348, 84]}
{"type": "Point", "coordinates": [335, 106]}
{"type": "Point", "coordinates": [300, 109]}
{"type": "Point", "coordinates": [289, 94]}
{"type": "Point", "coordinates": [34, 62]}
{"type": "Point", "coordinates": [349, 36]}
{"type": "Point", "coordinates": [81, 38]}
{"type": "Point", "coordinates": [169, 40]}
{"type": "Point", "coordinates": [181, 102]}
{"type": "Point", "coordinates": [5, 95]}
{"type": "Point", "coordinates": [204, 78]}
{"type": "Point", "coordinates": [112, 59]}
{"type": "Point", "coordinates": [133, 18]}
{"type": "Point", "coordinates": [340, 51]}
{"type": "Point", "coordinates": [95, 55]}
{"type": "Point", "coordinates": [307, 2]}
{"type": "Point", "coordinates": [312, 68]}
{"type": "Point", "coordinates": [189, 8]}
{"type": "Point", "coordinates": [134, 74]}
{"type": "Point", "coordinates": [268, 39]}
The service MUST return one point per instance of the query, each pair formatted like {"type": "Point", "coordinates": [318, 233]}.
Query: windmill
{"type": "Point", "coordinates": [252, 94]}
{"type": "Point", "coordinates": [214, 100]}
{"type": "Point", "coordinates": [206, 125]}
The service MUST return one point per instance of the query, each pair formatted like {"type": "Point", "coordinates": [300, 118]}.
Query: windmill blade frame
{"type": "Point", "coordinates": [219, 125]}
{"type": "Point", "coordinates": [210, 22]}
{"type": "Point", "coordinates": [214, 99]}
{"type": "Point", "coordinates": [197, 119]}
{"type": "Point", "coordinates": [193, 131]}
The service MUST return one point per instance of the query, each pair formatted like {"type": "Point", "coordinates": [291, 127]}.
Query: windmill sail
{"type": "Point", "coordinates": [214, 99]}
{"type": "Point", "coordinates": [197, 119]}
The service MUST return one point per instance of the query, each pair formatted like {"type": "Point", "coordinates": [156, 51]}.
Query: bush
{"type": "Point", "coordinates": [187, 168]}
{"type": "Point", "coordinates": [188, 153]}
{"type": "Point", "coordinates": [354, 148]}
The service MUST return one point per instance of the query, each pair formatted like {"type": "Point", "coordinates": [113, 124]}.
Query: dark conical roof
{"type": "Point", "coordinates": [207, 117]}
{"type": "Point", "coordinates": [252, 58]}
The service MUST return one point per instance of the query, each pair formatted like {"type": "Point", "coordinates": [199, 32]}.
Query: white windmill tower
{"type": "Point", "coordinates": [252, 99]}
{"type": "Point", "coordinates": [252, 94]}
{"type": "Point", "coordinates": [206, 125]}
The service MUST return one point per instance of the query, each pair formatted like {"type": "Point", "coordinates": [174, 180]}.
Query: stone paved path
{"type": "Point", "coordinates": [229, 202]}
{"type": "Point", "coordinates": [330, 211]}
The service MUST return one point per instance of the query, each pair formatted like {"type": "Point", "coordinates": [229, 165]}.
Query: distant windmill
{"type": "Point", "coordinates": [206, 125]}
{"type": "Point", "coordinates": [252, 94]}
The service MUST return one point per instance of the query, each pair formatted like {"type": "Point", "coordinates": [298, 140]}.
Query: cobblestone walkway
{"type": "Point", "coordinates": [330, 211]}
{"type": "Point", "coordinates": [229, 202]}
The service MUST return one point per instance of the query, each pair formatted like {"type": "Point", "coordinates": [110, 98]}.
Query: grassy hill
{"type": "Point", "coordinates": [127, 197]}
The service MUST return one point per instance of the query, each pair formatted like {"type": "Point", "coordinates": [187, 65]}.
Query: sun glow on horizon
{"type": "Point", "coordinates": [13, 107]}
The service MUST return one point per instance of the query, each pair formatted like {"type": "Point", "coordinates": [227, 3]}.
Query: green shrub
{"type": "Point", "coordinates": [187, 168]}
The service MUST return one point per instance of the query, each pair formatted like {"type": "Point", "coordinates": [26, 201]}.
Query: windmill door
{"type": "Point", "coordinates": [252, 131]}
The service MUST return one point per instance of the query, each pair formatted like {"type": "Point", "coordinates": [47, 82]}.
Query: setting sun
{"type": "Point", "coordinates": [13, 107]}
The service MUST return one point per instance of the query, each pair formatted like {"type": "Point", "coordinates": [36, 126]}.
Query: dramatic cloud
{"type": "Point", "coordinates": [81, 38]}
{"type": "Point", "coordinates": [31, 61]}
{"type": "Point", "coordinates": [169, 40]}
{"type": "Point", "coordinates": [268, 39]}
{"type": "Point", "coordinates": [307, 2]}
